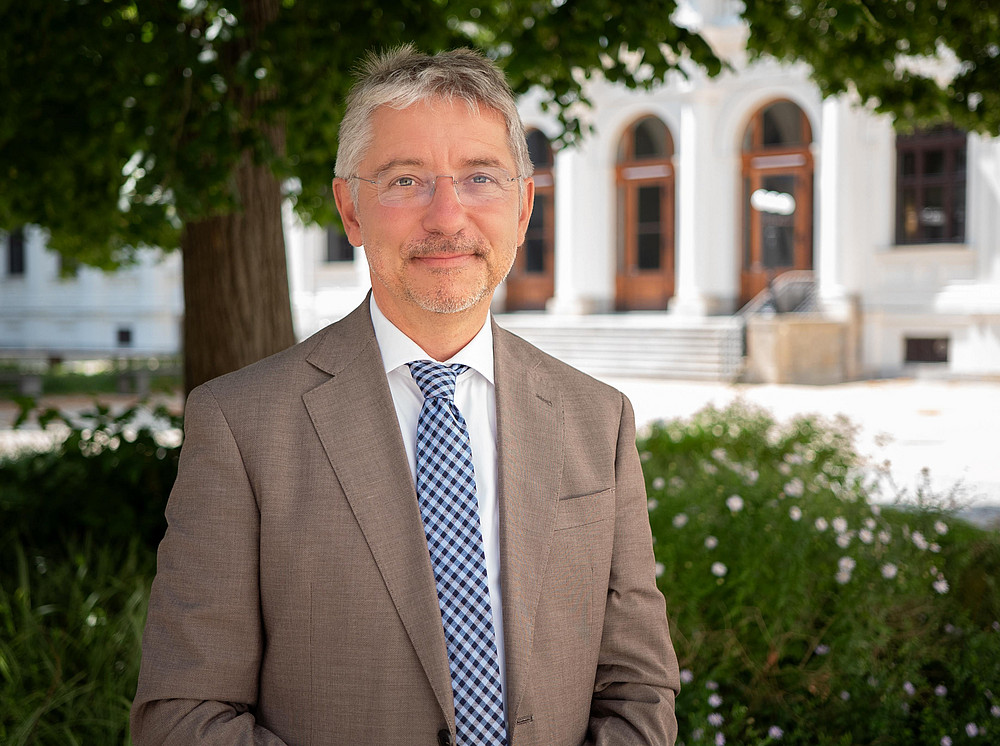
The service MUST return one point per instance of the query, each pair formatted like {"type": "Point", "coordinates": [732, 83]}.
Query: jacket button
{"type": "Point", "coordinates": [444, 737]}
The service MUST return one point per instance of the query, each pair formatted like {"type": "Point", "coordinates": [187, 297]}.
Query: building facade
{"type": "Point", "coordinates": [684, 205]}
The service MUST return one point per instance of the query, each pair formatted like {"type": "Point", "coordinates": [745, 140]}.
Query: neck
{"type": "Point", "coordinates": [440, 335]}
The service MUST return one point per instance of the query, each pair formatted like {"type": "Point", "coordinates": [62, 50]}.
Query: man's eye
{"type": "Point", "coordinates": [403, 181]}
{"type": "Point", "coordinates": [480, 179]}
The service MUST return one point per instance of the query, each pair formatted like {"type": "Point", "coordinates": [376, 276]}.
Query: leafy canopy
{"type": "Point", "coordinates": [120, 121]}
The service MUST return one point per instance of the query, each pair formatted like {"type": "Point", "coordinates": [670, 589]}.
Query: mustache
{"type": "Point", "coordinates": [439, 245]}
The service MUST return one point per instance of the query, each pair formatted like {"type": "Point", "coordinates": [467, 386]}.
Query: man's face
{"type": "Point", "coordinates": [443, 257]}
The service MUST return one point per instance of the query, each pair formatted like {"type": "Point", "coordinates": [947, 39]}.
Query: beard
{"type": "Point", "coordinates": [453, 293]}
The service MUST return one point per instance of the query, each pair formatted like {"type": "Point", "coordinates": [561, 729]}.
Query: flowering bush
{"type": "Point", "coordinates": [802, 611]}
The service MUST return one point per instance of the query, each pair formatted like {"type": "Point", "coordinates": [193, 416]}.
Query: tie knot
{"type": "Point", "coordinates": [435, 379]}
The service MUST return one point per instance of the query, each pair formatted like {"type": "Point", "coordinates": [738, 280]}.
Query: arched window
{"type": "Point", "coordinates": [644, 175]}
{"type": "Point", "coordinates": [531, 281]}
{"type": "Point", "coordinates": [777, 196]}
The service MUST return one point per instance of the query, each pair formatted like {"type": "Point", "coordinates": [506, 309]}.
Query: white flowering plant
{"type": "Point", "coordinates": [809, 602]}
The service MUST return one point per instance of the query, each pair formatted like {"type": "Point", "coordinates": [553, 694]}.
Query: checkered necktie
{"type": "Point", "coordinates": [446, 490]}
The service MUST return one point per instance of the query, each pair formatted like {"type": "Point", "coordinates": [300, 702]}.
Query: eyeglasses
{"type": "Point", "coordinates": [475, 187]}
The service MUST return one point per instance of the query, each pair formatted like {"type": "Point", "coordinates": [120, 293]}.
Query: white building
{"type": "Point", "coordinates": [685, 204]}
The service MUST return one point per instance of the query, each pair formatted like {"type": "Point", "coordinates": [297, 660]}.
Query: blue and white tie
{"type": "Point", "coordinates": [446, 490]}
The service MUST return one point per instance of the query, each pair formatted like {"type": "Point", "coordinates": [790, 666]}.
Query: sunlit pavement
{"type": "Point", "coordinates": [951, 428]}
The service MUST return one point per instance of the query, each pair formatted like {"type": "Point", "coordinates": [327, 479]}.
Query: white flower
{"type": "Point", "coordinates": [884, 537]}
{"type": "Point", "coordinates": [945, 741]}
{"type": "Point", "coordinates": [995, 711]}
{"type": "Point", "coordinates": [712, 686]}
{"type": "Point", "coordinates": [844, 540]}
{"type": "Point", "coordinates": [822, 649]}
{"type": "Point", "coordinates": [660, 569]}
{"type": "Point", "coordinates": [686, 676]}
{"type": "Point", "coordinates": [845, 695]}
{"type": "Point", "coordinates": [680, 520]}
{"type": "Point", "coordinates": [714, 700]}
{"type": "Point", "coordinates": [821, 524]}
{"type": "Point", "coordinates": [918, 540]}
{"type": "Point", "coordinates": [734, 503]}
{"type": "Point", "coordinates": [909, 688]}
{"type": "Point", "coordinates": [935, 547]}
{"type": "Point", "coordinates": [889, 571]}
{"type": "Point", "coordinates": [870, 523]}
{"type": "Point", "coordinates": [940, 585]}
{"type": "Point", "coordinates": [719, 569]}
{"type": "Point", "coordinates": [719, 454]}
{"type": "Point", "coordinates": [843, 577]}
{"type": "Point", "coordinates": [794, 488]}
{"type": "Point", "coordinates": [711, 542]}
{"type": "Point", "coordinates": [866, 536]}
{"type": "Point", "coordinates": [651, 504]}
{"type": "Point", "coordinates": [840, 524]}
{"type": "Point", "coordinates": [972, 730]}
{"type": "Point", "coordinates": [676, 482]}
{"type": "Point", "coordinates": [751, 476]}
{"type": "Point", "coordinates": [720, 739]}
{"type": "Point", "coordinates": [784, 468]}
{"type": "Point", "coordinates": [715, 719]}
{"type": "Point", "coordinates": [775, 732]}
{"type": "Point", "coordinates": [876, 510]}
{"type": "Point", "coordinates": [659, 483]}
{"type": "Point", "coordinates": [941, 528]}
{"type": "Point", "coordinates": [697, 733]}
{"type": "Point", "coordinates": [847, 563]}
{"type": "Point", "coordinates": [940, 690]}
{"type": "Point", "coordinates": [709, 468]}
{"type": "Point", "coordinates": [795, 513]}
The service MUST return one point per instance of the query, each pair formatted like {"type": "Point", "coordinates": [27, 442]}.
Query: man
{"type": "Point", "coordinates": [366, 546]}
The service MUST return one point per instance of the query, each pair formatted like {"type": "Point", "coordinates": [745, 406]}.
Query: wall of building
{"type": "Point", "coordinates": [133, 312]}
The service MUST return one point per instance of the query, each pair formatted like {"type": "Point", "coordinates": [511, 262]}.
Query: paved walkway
{"type": "Point", "coordinates": [950, 427]}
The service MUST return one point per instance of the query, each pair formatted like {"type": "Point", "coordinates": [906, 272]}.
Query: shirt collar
{"type": "Point", "coordinates": [397, 349]}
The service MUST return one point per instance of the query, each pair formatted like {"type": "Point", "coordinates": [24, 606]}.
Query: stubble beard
{"type": "Point", "coordinates": [450, 294]}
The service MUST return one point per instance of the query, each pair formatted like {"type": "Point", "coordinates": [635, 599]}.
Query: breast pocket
{"type": "Point", "coordinates": [572, 512]}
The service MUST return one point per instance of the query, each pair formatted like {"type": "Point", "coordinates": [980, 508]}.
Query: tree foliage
{"type": "Point", "coordinates": [921, 61]}
{"type": "Point", "coordinates": [121, 120]}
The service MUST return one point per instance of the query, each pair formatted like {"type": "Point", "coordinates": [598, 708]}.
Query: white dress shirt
{"type": "Point", "coordinates": [475, 396]}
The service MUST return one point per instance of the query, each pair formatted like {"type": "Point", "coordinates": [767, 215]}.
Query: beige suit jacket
{"type": "Point", "coordinates": [294, 600]}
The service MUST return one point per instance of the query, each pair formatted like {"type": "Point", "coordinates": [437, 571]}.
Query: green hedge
{"type": "Point", "coordinates": [802, 612]}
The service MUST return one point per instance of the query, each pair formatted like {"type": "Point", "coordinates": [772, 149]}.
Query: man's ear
{"type": "Point", "coordinates": [527, 204]}
{"type": "Point", "coordinates": [348, 211]}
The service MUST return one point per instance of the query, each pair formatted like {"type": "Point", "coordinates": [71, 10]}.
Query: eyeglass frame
{"type": "Point", "coordinates": [433, 180]}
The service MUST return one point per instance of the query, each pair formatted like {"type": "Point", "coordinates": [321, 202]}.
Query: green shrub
{"type": "Point", "coordinates": [79, 525]}
{"type": "Point", "coordinates": [108, 479]}
{"type": "Point", "coordinates": [803, 612]}
{"type": "Point", "coordinates": [70, 632]}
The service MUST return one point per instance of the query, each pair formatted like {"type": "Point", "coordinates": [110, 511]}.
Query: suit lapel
{"type": "Point", "coordinates": [355, 419]}
{"type": "Point", "coordinates": [529, 470]}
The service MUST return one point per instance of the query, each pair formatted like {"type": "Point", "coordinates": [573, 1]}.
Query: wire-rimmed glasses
{"type": "Point", "coordinates": [475, 187]}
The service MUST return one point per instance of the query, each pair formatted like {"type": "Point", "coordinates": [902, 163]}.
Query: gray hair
{"type": "Point", "coordinates": [403, 76]}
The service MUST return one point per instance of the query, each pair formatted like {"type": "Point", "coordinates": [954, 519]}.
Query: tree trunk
{"type": "Point", "coordinates": [236, 301]}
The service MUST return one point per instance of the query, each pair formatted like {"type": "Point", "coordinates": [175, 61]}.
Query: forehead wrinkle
{"type": "Point", "coordinates": [399, 162]}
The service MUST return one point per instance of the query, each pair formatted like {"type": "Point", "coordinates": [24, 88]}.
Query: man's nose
{"type": "Point", "coordinates": [445, 213]}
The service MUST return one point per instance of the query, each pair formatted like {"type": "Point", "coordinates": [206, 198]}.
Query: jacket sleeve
{"type": "Point", "coordinates": [637, 673]}
{"type": "Point", "coordinates": [202, 645]}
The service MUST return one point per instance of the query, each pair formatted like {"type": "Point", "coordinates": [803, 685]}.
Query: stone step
{"type": "Point", "coordinates": [652, 346]}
